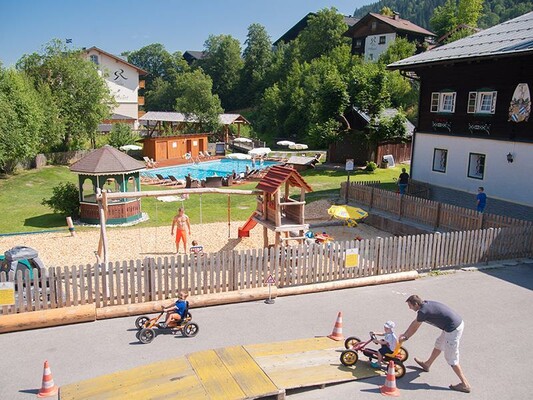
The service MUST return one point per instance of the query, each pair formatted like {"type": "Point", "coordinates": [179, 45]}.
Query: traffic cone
{"type": "Point", "coordinates": [389, 388]}
{"type": "Point", "coordinates": [337, 329]}
{"type": "Point", "coordinates": [48, 387]}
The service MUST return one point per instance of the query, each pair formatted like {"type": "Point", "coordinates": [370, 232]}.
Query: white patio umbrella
{"type": "Point", "coordinates": [259, 151]}
{"type": "Point", "coordinates": [239, 156]}
{"type": "Point", "coordinates": [242, 140]}
{"type": "Point", "coordinates": [285, 143]}
{"type": "Point", "coordinates": [298, 146]}
{"type": "Point", "coordinates": [129, 147]}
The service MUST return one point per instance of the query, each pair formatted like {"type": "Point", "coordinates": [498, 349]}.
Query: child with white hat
{"type": "Point", "coordinates": [388, 343]}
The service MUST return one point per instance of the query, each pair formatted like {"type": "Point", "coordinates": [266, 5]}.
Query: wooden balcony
{"type": "Point", "coordinates": [142, 84]}
{"type": "Point", "coordinates": [140, 100]}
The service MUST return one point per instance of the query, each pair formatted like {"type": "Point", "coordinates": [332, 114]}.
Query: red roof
{"type": "Point", "coordinates": [277, 176]}
{"type": "Point", "coordinates": [402, 24]}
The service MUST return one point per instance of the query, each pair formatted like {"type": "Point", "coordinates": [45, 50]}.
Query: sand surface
{"type": "Point", "coordinates": [59, 249]}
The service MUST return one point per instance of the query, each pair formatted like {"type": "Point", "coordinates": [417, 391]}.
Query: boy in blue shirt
{"type": "Point", "coordinates": [481, 199]}
{"type": "Point", "coordinates": [177, 311]}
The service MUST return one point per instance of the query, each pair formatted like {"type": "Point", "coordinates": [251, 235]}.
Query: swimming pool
{"type": "Point", "coordinates": [222, 167]}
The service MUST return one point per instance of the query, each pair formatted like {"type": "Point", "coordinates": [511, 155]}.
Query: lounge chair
{"type": "Point", "coordinates": [175, 181]}
{"type": "Point", "coordinates": [163, 180]}
{"type": "Point", "coordinates": [150, 163]}
{"type": "Point", "coordinates": [192, 183]}
{"type": "Point", "coordinates": [209, 155]}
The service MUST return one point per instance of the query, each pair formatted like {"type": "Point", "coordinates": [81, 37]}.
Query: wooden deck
{"type": "Point", "coordinates": [238, 372]}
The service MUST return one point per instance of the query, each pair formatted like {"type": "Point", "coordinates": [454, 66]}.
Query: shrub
{"type": "Point", "coordinates": [65, 200]}
{"type": "Point", "coordinates": [371, 166]}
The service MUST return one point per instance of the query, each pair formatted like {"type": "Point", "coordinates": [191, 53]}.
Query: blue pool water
{"type": "Point", "coordinates": [223, 167]}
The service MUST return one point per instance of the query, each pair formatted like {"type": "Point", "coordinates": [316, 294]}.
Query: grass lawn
{"type": "Point", "coordinates": [21, 196]}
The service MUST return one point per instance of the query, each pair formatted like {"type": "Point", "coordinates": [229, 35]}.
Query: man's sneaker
{"type": "Point", "coordinates": [374, 365]}
{"type": "Point", "coordinates": [163, 325]}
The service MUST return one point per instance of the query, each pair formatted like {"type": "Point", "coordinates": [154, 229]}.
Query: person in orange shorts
{"type": "Point", "coordinates": [183, 228]}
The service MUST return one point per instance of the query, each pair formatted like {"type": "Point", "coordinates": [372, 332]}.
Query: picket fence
{"type": "Point", "coordinates": [440, 216]}
{"type": "Point", "coordinates": [138, 281]}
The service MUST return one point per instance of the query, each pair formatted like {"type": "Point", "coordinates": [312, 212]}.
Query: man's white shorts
{"type": "Point", "coordinates": [448, 342]}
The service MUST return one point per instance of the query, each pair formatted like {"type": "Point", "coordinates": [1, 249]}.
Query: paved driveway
{"type": "Point", "coordinates": [496, 349]}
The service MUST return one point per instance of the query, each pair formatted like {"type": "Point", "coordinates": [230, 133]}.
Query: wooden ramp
{"type": "Point", "coordinates": [238, 372]}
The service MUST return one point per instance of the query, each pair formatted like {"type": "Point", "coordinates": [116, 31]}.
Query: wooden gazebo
{"type": "Point", "coordinates": [110, 170]}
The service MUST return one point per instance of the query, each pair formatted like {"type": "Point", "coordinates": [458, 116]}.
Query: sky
{"type": "Point", "coordinates": [121, 25]}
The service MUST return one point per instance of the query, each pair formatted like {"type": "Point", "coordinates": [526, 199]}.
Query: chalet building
{"type": "Point", "coordinates": [124, 82]}
{"type": "Point", "coordinates": [374, 33]}
{"type": "Point", "coordinates": [293, 32]}
{"type": "Point", "coordinates": [474, 125]}
{"type": "Point", "coordinates": [191, 56]}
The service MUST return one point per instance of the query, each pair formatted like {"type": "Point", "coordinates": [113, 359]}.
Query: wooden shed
{"type": "Point", "coordinates": [164, 148]}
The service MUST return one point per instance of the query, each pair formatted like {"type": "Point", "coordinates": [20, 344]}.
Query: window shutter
{"type": "Point", "coordinates": [472, 96]}
{"type": "Point", "coordinates": [453, 101]}
{"type": "Point", "coordinates": [434, 102]}
{"type": "Point", "coordinates": [493, 106]}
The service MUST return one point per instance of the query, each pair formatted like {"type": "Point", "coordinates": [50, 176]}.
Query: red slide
{"type": "Point", "coordinates": [244, 231]}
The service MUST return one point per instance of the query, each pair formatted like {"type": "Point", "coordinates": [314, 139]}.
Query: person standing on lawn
{"type": "Point", "coordinates": [403, 181]}
{"type": "Point", "coordinates": [451, 324]}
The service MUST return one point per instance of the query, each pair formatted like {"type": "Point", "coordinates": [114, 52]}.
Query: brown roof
{"type": "Point", "coordinates": [278, 175]}
{"type": "Point", "coordinates": [396, 22]}
{"type": "Point", "coordinates": [106, 160]}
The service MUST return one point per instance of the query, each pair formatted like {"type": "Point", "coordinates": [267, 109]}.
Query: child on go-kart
{"type": "Point", "coordinates": [388, 343]}
{"type": "Point", "coordinates": [177, 311]}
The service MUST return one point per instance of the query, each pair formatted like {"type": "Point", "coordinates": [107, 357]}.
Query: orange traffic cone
{"type": "Point", "coordinates": [48, 387]}
{"type": "Point", "coordinates": [389, 388]}
{"type": "Point", "coordinates": [337, 329]}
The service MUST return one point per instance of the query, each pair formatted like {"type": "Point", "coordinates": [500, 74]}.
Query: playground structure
{"type": "Point", "coordinates": [276, 210]}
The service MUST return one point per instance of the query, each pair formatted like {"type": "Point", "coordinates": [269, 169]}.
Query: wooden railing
{"type": "Point", "coordinates": [432, 213]}
{"type": "Point", "coordinates": [138, 281]}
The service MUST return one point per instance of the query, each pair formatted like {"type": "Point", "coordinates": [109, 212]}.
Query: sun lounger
{"type": "Point", "coordinates": [164, 181]}
{"type": "Point", "coordinates": [150, 163]}
{"type": "Point", "coordinates": [176, 181]}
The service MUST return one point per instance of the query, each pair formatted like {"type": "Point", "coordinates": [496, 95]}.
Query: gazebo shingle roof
{"type": "Point", "coordinates": [106, 160]}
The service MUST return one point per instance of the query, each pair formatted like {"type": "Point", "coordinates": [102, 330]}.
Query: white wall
{"type": "Point", "coordinates": [502, 180]}
{"type": "Point", "coordinates": [123, 82]}
{"type": "Point", "coordinates": [372, 46]}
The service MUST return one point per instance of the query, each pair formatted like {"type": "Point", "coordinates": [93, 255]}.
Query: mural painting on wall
{"type": "Point", "coordinates": [441, 124]}
{"type": "Point", "coordinates": [520, 107]}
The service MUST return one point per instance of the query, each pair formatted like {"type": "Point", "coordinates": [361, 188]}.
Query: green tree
{"type": "Point", "coordinates": [257, 59]}
{"type": "Point", "coordinates": [223, 63]}
{"type": "Point", "coordinates": [386, 11]}
{"type": "Point", "coordinates": [194, 97]}
{"type": "Point", "coordinates": [398, 50]}
{"type": "Point", "coordinates": [65, 200]}
{"type": "Point", "coordinates": [158, 62]}
{"type": "Point", "coordinates": [469, 11]}
{"type": "Point", "coordinates": [21, 119]}
{"type": "Point", "coordinates": [444, 18]}
{"type": "Point", "coordinates": [323, 33]}
{"type": "Point", "coordinates": [80, 95]}
{"type": "Point", "coordinates": [121, 135]}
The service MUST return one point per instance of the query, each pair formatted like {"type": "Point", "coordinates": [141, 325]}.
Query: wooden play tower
{"type": "Point", "coordinates": [280, 206]}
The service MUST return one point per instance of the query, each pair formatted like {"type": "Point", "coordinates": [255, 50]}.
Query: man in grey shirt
{"type": "Point", "coordinates": [451, 324]}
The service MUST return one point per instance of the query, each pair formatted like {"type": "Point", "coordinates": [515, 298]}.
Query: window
{"type": "Point", "coordinates": [94, 58]}
{"type": "Point", "coordinates": [382, 40]}
{"type": "Point", "coordinates": [443, 102]}
{"type": "Point", "coordinates": [358, 43]}
{"type": "Point", "coordinates": [481, 102]}
{"type": "Point", "coordinates": [440, 157]}
{"type": "Point", "coordinates": [374, 25]}
{"type": "Point", "coordinates": [371, 56]}
{"type": "Point", "coordinates": [476, 165]}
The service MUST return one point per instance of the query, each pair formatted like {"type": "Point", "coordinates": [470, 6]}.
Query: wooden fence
{"type": "Point", "coordinates": [438, 215]}
{"type": "Point", "coordinates": [140, 281]}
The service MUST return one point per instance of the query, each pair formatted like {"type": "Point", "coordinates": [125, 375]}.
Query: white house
{"type": "Point", "coordinates": [474, 126]}
{"type": "Point", "coordinates": [124, 82]}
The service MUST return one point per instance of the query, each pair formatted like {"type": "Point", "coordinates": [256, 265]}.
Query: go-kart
{"type": "Point", "coordinates": [149, 328]}
{"type": "Point", "coordinates": [354, 345]}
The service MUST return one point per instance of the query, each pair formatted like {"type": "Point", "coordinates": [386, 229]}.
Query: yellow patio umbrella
{"type": "Point", "coordinates": [348, 214]}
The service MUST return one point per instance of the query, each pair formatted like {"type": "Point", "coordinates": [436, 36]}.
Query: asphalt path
{"type": "Point", "coordinates": [496, 351]}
